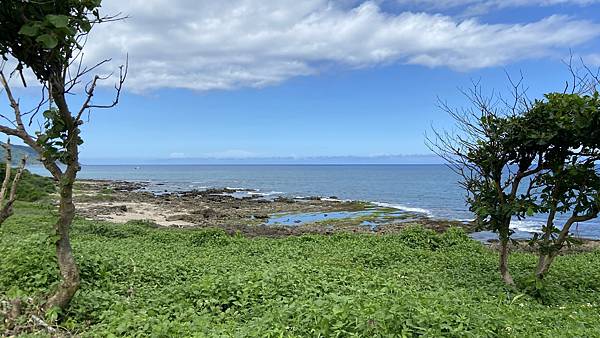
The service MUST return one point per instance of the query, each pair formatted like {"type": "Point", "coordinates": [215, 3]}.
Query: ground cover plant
{"type": "Point", "coordinates": [139, 280]}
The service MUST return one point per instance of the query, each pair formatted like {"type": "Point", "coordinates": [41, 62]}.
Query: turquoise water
{"type": "Point", "coordinates": [430, 190]}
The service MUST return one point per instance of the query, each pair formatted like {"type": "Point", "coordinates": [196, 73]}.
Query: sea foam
{"type": "Point", "coordinates": [404, 208]}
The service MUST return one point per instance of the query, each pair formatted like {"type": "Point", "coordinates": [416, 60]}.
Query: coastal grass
{"type": "Point", "coordinates": [139, 280]}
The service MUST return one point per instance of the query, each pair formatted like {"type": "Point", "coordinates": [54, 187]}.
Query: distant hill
{"type": "Point", "coordinates": [18, 152]}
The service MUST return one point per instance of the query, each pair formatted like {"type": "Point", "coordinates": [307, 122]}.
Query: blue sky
{"type": "Point", "coordinates": [322, 78]}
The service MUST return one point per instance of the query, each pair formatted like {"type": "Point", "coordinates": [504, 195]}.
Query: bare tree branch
{"type": "Point", "coordinates": [91, 87]}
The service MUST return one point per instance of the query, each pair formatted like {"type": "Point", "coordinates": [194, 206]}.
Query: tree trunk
{"type": "Point", "coordinates": [504, 271]}
{"type": "Point", "coordinates": [544, 262]}
{"type": "Point", "coordinates": [64, 254]}
{"type": "Point", "coordinates": [6, 212]}
{"type": "Point", "coordinates": [66, 261]}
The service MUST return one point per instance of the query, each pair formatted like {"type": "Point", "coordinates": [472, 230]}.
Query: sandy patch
{"type": "Point", "coordinates": [124, 212]}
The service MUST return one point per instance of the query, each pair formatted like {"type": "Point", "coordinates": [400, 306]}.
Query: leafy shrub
{"type": "Point", "coordinates": [209, 237]}
{"type": "Point", "coordinates": [416, 236]}
{"type": "Point", "coordinates": [455, 236]}
{"type": "Point", "coordinates": [108, 230]}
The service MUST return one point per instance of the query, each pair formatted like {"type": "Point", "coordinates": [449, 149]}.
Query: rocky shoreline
{"type": "Point", "coordinates": [240, 211]}
{"type": "Point", "coordinates": [243, 212]}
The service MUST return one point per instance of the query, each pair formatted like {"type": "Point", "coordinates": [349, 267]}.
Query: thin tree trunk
{"type": "Point", "coordinates": [64, 253]}
{"type": "Point", "coordinates": [66, 261]}
{"type": "Point", "coordinates": [543, 265]}
{"type": "Point", "coordinates": [504, 271]}
{"type": "Point", "coordinates": [545, 260]}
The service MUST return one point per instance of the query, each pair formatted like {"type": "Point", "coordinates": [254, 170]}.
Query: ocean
{"type": "Point", "coordinates": [431, 189]}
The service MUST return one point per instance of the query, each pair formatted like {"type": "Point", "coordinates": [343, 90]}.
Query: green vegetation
{"type": "Point", "coordinates": [523, 158]}
{"type": "Point", "coordinates": [138, 280]}
{"type": "Point", "coordinates": [33, 187]}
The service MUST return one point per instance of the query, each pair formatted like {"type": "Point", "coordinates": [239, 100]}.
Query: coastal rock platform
{"type": "Point", "coordinates": [240, 211]}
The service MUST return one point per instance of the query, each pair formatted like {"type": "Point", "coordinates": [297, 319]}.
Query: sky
{"type": "Point", "coordinates": [315, 80]}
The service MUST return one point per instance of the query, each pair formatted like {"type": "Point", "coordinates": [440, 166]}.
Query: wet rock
{"type": "Point", "coordinates": [282, 199]}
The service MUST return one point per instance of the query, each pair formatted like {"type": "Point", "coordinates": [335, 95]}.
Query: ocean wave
{"type": "Point", "coordinates": [240, 189]}
{"type": "Point", "coordinates": [526, 226]}
{"type": "Point", "coordinates": [329, 199]}
{"type": "Point", "coordinates": [270, 193]}
{"type": "Point", "coordinates": [404, 208]}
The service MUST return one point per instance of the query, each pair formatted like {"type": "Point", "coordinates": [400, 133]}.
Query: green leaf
{"type": "Point", "coordinates": [530, 212]}
{"type": "Point", "coordinates": [86, 26]}
{"type": "Point", "coordinates": [29, 30]}
{"type": "Point", "coordinates": [47, 40]}
{"type": "Point", "coordinates": [58, 21]}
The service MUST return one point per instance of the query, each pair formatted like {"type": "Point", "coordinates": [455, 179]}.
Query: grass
{"type": "Point", "coordinates": [138, 280]}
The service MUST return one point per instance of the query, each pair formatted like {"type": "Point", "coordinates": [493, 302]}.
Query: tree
{"type": "Point", "coordinates": [6, 205]}
{"type": "Point", "coordinates": [47, 37]}
{"type": "Point", "coordinates": [564, 130]}
{"type": "Point", "coordinates": [485, 153]}
{"type": "Point", "coordinates": [520, 158]}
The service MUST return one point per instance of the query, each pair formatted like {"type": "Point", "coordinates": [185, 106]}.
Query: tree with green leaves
{"type": "Point", "coordinates": [47, 37]}
{"type": "Point", "coordinates": [519, 158]}
{"type": "Point", "coordinates": [563, 130]}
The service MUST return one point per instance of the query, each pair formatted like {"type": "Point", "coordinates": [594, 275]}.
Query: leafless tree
{"type": "Point", "coordinates": [8, 196]}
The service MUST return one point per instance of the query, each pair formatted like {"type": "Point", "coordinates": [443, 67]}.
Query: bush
{"type": "Point", "coordinates": [209, 237]}
{"type": "Point", "coordinates": [416, 236]}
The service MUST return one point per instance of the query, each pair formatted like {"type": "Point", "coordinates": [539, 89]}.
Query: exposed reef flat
{"type": "Point", "coordinates": [241, 211]}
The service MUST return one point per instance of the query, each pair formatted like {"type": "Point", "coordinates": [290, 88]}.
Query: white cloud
{"type": "Point", "coordinates": [177, 155]}
{"type": "Point", "coordinates": [204, 45]}
{"type": "Point", "coordinates": [232, 154]}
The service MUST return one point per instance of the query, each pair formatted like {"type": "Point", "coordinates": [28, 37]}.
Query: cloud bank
{"type": "Point", "coordinates": [212, 45]}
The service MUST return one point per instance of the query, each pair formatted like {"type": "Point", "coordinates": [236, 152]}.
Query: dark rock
{"type": "Point", "coordinates": [206, 213]}
{"type": "Point", "coordinates": [284, 200]}
{"type": "Point", "coordinates": [179, 217]}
